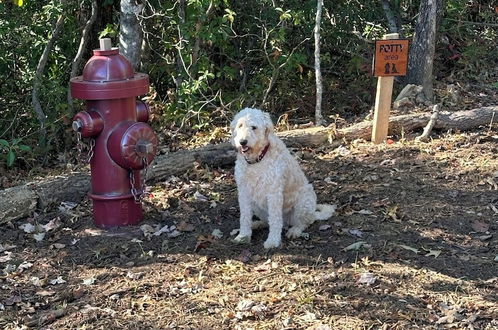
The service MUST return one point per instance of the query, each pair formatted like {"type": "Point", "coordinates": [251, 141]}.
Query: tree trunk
{"type": "Point", "coordinates": [21, 201]}
{"type": "Point", "coordinates": [420, 65]}
{"type": "Point", "coordinates": [130, 32]}
{"type": "Point", "coordinates": [391, 18]}
{"type": "Point", "coordinates": [318, 73]}
{"type": "Point", "coordinates": [38, 77]}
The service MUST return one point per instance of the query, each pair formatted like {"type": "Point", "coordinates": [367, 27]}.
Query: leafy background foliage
{"type": "Point", "coordinates": [209, 58]}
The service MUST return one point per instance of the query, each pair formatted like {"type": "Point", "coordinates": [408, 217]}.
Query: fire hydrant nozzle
{"type": "Point", "coordinates": [77, 126]}
{"type": "Point", "coordinates": [124, 143]}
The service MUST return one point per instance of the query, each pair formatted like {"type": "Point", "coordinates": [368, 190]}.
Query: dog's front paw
{"type": "Point", "coordinates": [271, 243]}
{"type": "Point", "coordinates": [294, 232]}
{"type": "Point", "coordinates": [242, 239]}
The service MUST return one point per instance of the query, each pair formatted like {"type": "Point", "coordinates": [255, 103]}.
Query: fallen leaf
{"type": "Point", "coordinates": [185, 226]}
{"type": "Point", "coordinates": [259, 310]}
{"type": "Point", "coordinates": [202, 243]}
{"type": "Point", "coordinates": [78, 292]}
{"type": "Point", "coordinates": [309, 317]}
{"type": "Point", "coordinates": [6, 257]}
{"type": "Point", "coordinates": [164, 229]}
{"type": "Point", "coordinates": [134, 276]}
{"type": "Point", "coordinates": [89, 281]}
{"type": "Point", "coordinates": [66, 206]}
{"type": "Point", "coordinates": [147, 230]}
{"type": "Point", "coordinates": [406, 247]}
{"type": "Point", "coordinates": [245, 256]}
{"type": "Point", "coordinates": [355, 246]}
{"type": "Point", "coordinates": [217, 233]}
{"type": "Point", "coordinates": [392, 212]}
{"type": "Point", "coordinates": [45, 293]}
{"type": "Point", "coordinates": [24, 265]}
{"type": "Point", "coordinates": [245, 305]}
{"type": "Point", "coordinates": [200, 197]}
{"type": "Point", "coordinates": [174, 233]}
{"type": "Point", "coordinates": [59, 245]}
{"type": "Point", "coordinates": [367, 278]}
{"type": "Point", "coordinates": [58, 280]}
{"type": "Point", "coordinates": [480, 226]}
{"type": "Point", "coordinates": [434, 253]}
{"type": "Point", "coordinates": [12, 300]}
{"type": "Point", "coordinates": [365, 212]}
{"type": "Point", "coordinates": [28, 228]}
{"type": "Point", "coordinates": [35, 281]}
{"type": "Point", "coordinates": [39, 237]}
{"type": "Point", "coordinates": [356, 232]}
{"type": "Point", "coordinates": [324, 227]}
{"type": "Point", "coordinates": [6, 247]}
{"type": "Point", "coordinates": [52, 224]}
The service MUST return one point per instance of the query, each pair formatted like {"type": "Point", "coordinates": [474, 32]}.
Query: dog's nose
{"type": "Point", "coordinates": [243, 142]}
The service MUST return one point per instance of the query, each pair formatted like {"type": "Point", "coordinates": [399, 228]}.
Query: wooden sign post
{"type": "Point", "coordinates": [391, 59]}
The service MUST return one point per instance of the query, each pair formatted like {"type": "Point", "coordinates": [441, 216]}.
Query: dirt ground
{"type": "Point", "coordinates": [413, 245]}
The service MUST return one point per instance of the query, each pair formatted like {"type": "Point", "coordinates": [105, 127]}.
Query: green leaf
{"type": "Point", "coordinates": [4, 143]}
{"type": "Point", "coordinates": [11, 156]}
{"type": "Point", "coordinates": [24, 147]}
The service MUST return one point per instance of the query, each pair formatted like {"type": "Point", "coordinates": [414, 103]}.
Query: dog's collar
{"type": "Point", "coordinates": [261, 155]}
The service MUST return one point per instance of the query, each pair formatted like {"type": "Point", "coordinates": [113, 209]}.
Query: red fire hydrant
{"type": "Point", "coordinates": [123, 143]}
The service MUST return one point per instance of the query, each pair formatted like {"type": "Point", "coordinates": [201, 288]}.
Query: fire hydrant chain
{"type": "Point", "coordinates": [80, 146]}
{"type": "Point", "coordinates": [138, 196]}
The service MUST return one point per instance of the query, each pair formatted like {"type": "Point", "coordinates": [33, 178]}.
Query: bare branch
{"type": "Point", "coordinates": [318, 74]}
{"type": "Point", "coordinates": [57, 27]}
{"type": "Point", "coordinates": [79, 54]}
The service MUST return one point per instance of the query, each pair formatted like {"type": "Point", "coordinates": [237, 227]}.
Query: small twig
{"type": "Point", "coordinates": [430, 125]}
{"type": "Point", "coordinates": [491, 123]}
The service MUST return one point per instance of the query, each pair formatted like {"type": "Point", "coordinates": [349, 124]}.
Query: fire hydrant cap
{"type": "Point", "coordinates": [107, 65]}
{"type": "Point", "coordinates": [108, 75]}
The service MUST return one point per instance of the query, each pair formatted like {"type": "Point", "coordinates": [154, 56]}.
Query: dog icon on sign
{"type": "Point", "coordinates": [390, 68]}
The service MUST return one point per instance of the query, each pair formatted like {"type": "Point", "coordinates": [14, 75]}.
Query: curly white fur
{"type": "Point", "coordinates": [274, 188]}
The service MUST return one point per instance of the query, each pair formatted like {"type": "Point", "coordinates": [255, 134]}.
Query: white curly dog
{"type": "Point", "coordinates": [270, 183]}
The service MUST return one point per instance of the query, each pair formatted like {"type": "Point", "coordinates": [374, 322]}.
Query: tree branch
{"type": "Point", "coordinates": [79, 54]}
{"type": "Point", "coordinates": [38, 76]}
{"type": "Point", "coordinates": [318, 74]}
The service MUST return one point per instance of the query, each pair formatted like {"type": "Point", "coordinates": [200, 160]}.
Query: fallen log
{"type": "Point", "coordinates": [21, 201]}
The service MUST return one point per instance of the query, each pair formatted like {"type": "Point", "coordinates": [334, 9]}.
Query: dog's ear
{"type": "Point", "coordinates": [233, 125]}
{"type": "Point", "coordinates": [268, 124]}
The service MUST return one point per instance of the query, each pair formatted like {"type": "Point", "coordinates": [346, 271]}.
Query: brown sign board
{"type": "Point", "coordinates": [391, 57]}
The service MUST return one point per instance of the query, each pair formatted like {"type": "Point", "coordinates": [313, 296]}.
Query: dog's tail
{"type": "Point", "coordinates": [324, 211]}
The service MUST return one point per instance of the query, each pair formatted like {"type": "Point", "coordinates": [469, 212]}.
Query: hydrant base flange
{"type": "Point", "coordinates": [115, 211]}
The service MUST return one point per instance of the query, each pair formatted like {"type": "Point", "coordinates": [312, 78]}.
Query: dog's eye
{"type": "Point", "coordinates": [253, 127]}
